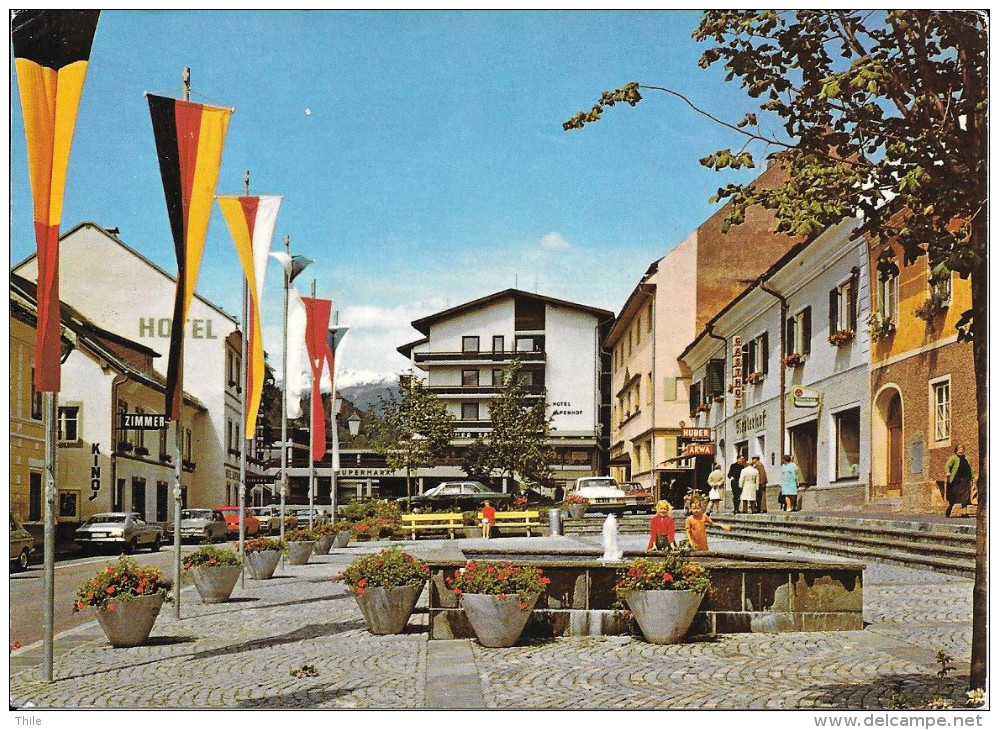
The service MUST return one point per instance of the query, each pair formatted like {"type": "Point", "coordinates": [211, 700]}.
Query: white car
{"type": "Point", "coordinates": [121, 530]}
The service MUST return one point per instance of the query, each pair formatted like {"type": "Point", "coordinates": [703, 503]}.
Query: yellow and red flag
{"type": "Point", "coordinates": [317, 312]}
{"type": "Point", "coordinates": [51, 54]}
{"type": "Point", "coordinates": [251, 221]}
{"type": "Point", "coordinates": [189, 141]}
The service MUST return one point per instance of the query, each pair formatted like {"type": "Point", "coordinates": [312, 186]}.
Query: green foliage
{"type": "Point", "coordinates": [517, 444]}
{"type": "Point", "coordinates": [946, 662]}
{"type": "Point", "coordinates": [672, 571]}
{"type": "Point", "coordinates": [388, 569]}
{"type": "Point", "coordinates": [124, 580]}
{"type": "Point", "coordinates": [413, 431]}
{"type": "Point", "coordinates": [369, 519]}
{"type": "Point", "coordinates": [301, 534]}
{"type": "Point", "coordinates": [211, 555]}
{"type": "Point", "coordinates": [261, 544]}
{"type": "Point", "coordinates": [884, 113]}
{"type": "Point", "coordinates": [497, 579]}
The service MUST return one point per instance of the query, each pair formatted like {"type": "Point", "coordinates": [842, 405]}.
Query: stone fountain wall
{"type": "Point", "coordinates": [762, 596]}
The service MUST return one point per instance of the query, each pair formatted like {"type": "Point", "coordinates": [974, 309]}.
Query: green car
{"type": "Point", "coordinates": [459, 496]}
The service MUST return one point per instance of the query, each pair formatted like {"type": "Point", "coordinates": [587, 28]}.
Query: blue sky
{"type": "Point", "coordinates": [420, 153]}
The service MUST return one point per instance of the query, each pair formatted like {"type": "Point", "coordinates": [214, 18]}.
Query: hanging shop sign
{"type": "Point", "coordinates": [804, 397]}
{"type": "Point", "coordinates": [696, 434]}
{"type": "Point", "coordinates": [699, 448]}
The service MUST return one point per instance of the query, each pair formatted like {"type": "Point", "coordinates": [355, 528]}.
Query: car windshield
{"type": "Point", "coordinates": [101, 519]}
{"type": "Point", "coordinates": [600, 483]}
{"type": "Point", "coordinates": [195, 514]}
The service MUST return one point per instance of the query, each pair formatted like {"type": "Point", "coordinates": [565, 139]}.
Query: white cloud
{"type": "Point", "coordinates": [553, 242]}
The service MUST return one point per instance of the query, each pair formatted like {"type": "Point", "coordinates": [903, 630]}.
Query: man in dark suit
{"type": "Point", "coordinates": [734, 471]}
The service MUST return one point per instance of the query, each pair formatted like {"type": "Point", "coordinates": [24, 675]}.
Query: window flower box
{"type": "Point", "coordinates": [141, 451]}
{"type": "Point", "coordinates": [125, 446]}
{"type": "Point", "coordinates": [702, 408]}
{"type": "Point", "coordinates": [840, 338]}
{"type": "Point", "coordinates": [793, 360]}
{"type": "Point", "coordinates": [754, 378]}
{"type": "Point", "coordinates": [881, 327]}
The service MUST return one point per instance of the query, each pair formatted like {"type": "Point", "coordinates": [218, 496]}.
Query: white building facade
{"type": "Point", "coordinates": [784, 368]}
{"type": "Point", "coordinates": [466, 348]}
{"type": "Point", "coordinates": [118, 288]}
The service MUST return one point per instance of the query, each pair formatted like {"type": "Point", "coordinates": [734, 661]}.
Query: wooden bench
{"type": "Point", "coordinates": [432, 523]}
{"type": "Point", "coordinates": [527, 520]}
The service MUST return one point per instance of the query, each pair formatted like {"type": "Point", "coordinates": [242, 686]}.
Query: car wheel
{"type": "Point", "coordinates": [22, 560]}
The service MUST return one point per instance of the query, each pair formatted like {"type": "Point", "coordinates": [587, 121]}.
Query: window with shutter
{"type": "Point", "coordinates": [833, 310]}
{"type": "Point", "coordinates": [764, 353]}
{"type": "Point", "coordinates": [669, 389]}
{"type": "Point", "coordinates": [695, 397]}
{"type": "Point", "coordinates": [806, 331]}
{"type": "Point", "coordinates": [716, 377]}
{"type": "Point", "coordinates": [747, 360]}
{"type": "Point", "coordinates": [790, 336]}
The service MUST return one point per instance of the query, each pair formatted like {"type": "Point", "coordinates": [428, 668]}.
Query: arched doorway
{"type": "Point", "coordinates": [893, 454]}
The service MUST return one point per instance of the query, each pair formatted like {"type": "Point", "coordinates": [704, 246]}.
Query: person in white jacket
{"type": "Point", "coordinates": [716, 480]}
{"type": "Point", "coordinates": [749, 482]}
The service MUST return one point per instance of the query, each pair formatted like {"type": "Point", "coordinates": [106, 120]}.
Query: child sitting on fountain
{"type": "Point", "coordinates": [662, 528]}
{"type": "Point", "coordinates": [697, 524]}
{"type": "Point", "coordinates": [488, 518]}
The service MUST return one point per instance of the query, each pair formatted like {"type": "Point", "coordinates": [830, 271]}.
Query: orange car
{"type": "Point", "coordinates": [231, 515]}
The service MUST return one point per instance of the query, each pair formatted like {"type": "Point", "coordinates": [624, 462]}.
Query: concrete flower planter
{"type": "Point", "coordinates": [299, 552]}
{"type": "Point", "coordinates": [497, 621]}
{"type": "Point", "coordinates": [262, 564]}
{"type": "Point", "coordinates": [387, 610]}
{"type": "Point", "coordinates": [131, 622]}
{"type": "Point", "coordinates": [215, 582]}
{"type": "Point", "coordinates": [324, 543]}
{"type": "Point", "coordinates": [576, 510]}
{"type": "Point", "coordinates": [342, 538]}
{"type": "Point", "coordinates": [663, 616]}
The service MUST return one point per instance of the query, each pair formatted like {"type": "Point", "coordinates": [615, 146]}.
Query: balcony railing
{"type": "Point", "coordinates": [481, 356]}
{"type": "Point", "coordinates": [460, 390]}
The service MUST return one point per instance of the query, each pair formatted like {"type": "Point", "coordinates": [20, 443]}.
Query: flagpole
{"type": "Point", "coordinates": [284, 397]}
{"type": "Point", "coordinates": [179, 433]}
{"type": "Point", "coordinates": [334, 421]}
{"type": "Point", "coordinates": [243, 372]}
{"type": "Point", "coordinates": [48, 583]}
{"type": "Point", "coordinates": [312, 417]}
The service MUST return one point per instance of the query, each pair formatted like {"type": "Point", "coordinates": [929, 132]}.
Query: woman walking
{"type": "Point", "coordinates": [788, 483]}
{"type": "Point", "coordinates": [958, 481]}
{"type": "Point", "coordinates": [716, 480]}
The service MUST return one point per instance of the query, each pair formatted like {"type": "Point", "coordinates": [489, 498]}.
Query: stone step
{"type": "Point", "coordinates": [948, 548]}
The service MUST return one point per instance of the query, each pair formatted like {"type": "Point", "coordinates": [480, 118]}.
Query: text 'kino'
{"type": "Point", "coordinates": [201, 329]}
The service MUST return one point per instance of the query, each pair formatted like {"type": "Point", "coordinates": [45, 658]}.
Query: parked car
{"type": "Point", "coordinates": [203, 525]}
{"type": "Point", "coordinates": [459, 496]}
{"type": "Point", "coordinates": [121, 530]}
{"type": "Point", "coordinates": [22, 544]}
{"type": "Point", "coordinates": [231, 515]}
{"type": "Point", "coordinates": [270, 518]}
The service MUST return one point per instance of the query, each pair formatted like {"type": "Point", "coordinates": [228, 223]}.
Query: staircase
{"type": "Point", "coordinates": [946, 548]}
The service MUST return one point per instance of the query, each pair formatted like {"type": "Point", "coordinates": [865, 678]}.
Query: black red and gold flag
{"type": "Point", "coordinates": [51, 54]}
{"type": "Point", "coordinates": [189, 141]}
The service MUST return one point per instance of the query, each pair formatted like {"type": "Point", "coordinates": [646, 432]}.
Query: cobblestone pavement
{"type": "Point", "coordinates": [242, 655]}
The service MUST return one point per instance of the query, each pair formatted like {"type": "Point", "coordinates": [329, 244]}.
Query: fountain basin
{"type": "Point", "coordinates": [757, 595]}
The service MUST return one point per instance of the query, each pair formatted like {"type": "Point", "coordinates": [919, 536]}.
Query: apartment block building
{"type": "Point", "coordinates": [464, 352]}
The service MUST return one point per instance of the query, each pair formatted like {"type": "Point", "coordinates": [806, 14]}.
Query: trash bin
{"type": "Point", "coordinates": [555, 521]}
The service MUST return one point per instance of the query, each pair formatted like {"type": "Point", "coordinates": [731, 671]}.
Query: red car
{"type": "Point", "coordinates": [231, 515]}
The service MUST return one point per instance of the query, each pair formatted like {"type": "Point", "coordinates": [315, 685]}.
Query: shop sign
{"type": "Point", "coordinates": [696, 434]}
{"type": "Point", "coordinates": [804, 397]}
{"type": "Point", "coordinates": [143, 421]}
{"type": "Point", "coordinates": [750, 423]}
{"type": "Point", "coordinates": [365, 472]}
{"type": "Point", "coordinates": [95, 472]}
{"type": "Point", "coordinates": [699, 449]}
{"type": "Point", "coordinates": [737, 372]}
